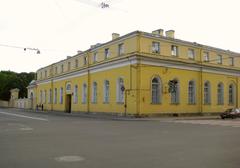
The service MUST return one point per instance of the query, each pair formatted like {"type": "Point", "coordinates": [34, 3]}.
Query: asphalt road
{"type": "Point", "coordinates": [37, 140]}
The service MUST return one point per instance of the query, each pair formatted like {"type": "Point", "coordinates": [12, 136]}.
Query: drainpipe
{"type": "Point", "coordinates": [88, 84]}
{"type": "Point", "coordinates": [138, 76]}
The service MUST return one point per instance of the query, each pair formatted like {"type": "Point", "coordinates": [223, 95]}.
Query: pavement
{"type": "Point", "coordinates": [114, 116]}
{"type": "Point", "coordinates": [43, 139]}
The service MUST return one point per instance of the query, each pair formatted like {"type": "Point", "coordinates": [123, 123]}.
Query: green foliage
{"type": "Point", "coordinates": [10, 80]}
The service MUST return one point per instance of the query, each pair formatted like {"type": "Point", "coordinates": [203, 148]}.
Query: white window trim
{"type": "Point", "coordinates": [106, 94]}
{"type": "Point", "coordinates": [120, 94]}
{"type": "Point", "coordinates": [94, 92]}
{"type": "Point", "coordinates": [75, 94]}
{"type": "Point", "coordinates": [84, 93]}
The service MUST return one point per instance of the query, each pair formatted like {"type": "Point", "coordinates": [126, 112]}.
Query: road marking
{"type": "Point", "coordinates": [24, 116]}
{"type": "Point", "coordinates": [69, 159]}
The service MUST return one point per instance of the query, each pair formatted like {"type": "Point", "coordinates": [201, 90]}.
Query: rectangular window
{"type": "Point", "coordinates": [155, 47]}
{"type": "Point", "coordinates": [41, 75]}
{"type": "Point", "coordinates": [206, 56]}
{"type": "Point", "coordinates": [219, 59]}
{"type": "Point", "coordinates": [120, 49]}
{"type": "Point", "coordinates": [231, 61]}
{"type": "Point", "coordinates": [55, 70]}
{"type": "Point", "coordinates": [191, 54]}
{"type": "Point", "coordinates": [76, 63]}
{"type": "Point", "coordinates": [69, 66]}
{"type": "Point", "coordinates": [95, 57]}
{"type": "Point", "coordinates": [85, 60]}
{"type": "Point", "coordinates": [62, 68]}
{"type": "Point", "coordinates": [174, 50]}
{"type": "Point", "coordinates": [106, 53]}
{"type": "Point", "coordinates": [45, 74]}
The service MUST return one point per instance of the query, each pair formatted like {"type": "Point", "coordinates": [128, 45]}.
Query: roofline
{"type": "Point", "coordinates": [137, 32]}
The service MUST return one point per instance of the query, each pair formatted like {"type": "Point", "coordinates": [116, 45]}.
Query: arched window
{"type": "Point", "coordinates": [156, 91]}
{"type": "Point", "coordinates": [55, 96]}
{"type": "Point", "coordinates": [61, 96]}
{"type": "Point", "coordinates": [231, 95]}
{"type": "Point", "coordinates": [41, 97]}
{"type": "Point", "coordinates": [220, 94]}
{"type": "Point", "coordinates": [44, 96]}
{"type": "Point", "coordinates": [106, 91]}
{"type": "Point", "coordinates": [191, 92]}
{"type": "Point", "coordinates": [75, 94]}
{"type": "Point", "coordinates": [50, 96]}
{"type": "Point", "coordinates": [94, 92]}
{"type": "Point", "coordinates": [207, 93]}
{"type": "Point", "coordinates": [84, 93]}
{"type": "Point", "coordinates": [176, 94]}
{"type": "Point", "coordinates": [120, 90]}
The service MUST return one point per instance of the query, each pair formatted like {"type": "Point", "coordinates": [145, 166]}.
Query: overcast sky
{"type": "Point", "coordinates": [58, 28]}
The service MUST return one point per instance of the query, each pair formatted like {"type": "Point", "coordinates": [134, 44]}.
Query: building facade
{"type": "Point", "coordinates": [131, 73]}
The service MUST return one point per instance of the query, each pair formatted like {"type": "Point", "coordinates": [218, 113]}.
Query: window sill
{"type": "Point", "coordinates": [207, 104]}
{"type": "Point", "coordinates": [120, 103]}
{"type": "Point", "coordinates": [155, 103]}
{"type": "Point", "coordinates": [105, 102]}
{"type": "Point", "coordinates": [192, 104]}
{"type": "Point", "coordinates": [175, 103]}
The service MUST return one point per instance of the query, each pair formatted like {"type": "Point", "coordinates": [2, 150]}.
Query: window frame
{"type": "Point", "coordinates": [156, 47]}
{"type": "Point", "coordinates": [192, 92]}
{"type": "Point", "coordinates": [207, 95]}
{"type": "Point", "coordinates": [175, 96]}
{"type": "Point", "coordinates": [156, 91]}
{"type": "Point", "coordinates": [191, 54]}
{"type": "Point", "coordinates": [220, 94]}
{"type": "Point", "coordinates": [106, 90]}
{"type": "Point", "coordinates": [174, 52]}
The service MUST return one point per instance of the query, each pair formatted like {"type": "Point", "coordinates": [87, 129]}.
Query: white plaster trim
{"type": "Point", "coordinates": [134, 60]}
{"type": "Point", "coordinates": [97, 68]}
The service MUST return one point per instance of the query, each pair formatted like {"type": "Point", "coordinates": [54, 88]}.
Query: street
{"type": "Point", "coordinates": [39, 140]}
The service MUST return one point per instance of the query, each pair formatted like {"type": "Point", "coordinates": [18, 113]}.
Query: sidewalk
{"type": "Point", "coordinates": [116, 116]}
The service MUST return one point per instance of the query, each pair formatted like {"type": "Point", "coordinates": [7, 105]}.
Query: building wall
{"type": "Point", "coordinates": [138, 65]}
{"type": "Point", "coordinates": [99, 76]}
{"type": "Point", "coordinates": [4, 103]}
{"type": "Point", "coordinates": [184, 76]}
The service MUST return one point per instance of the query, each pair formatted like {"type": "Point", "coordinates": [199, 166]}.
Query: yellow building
{"type": "Point", "coordinates": [132, 73]}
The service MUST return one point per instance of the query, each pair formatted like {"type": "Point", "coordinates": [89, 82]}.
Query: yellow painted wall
{"type": "Point", "coordinates": [137, 78]}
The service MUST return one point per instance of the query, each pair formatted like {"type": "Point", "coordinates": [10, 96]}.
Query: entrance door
{"type": "Point", "coordinates": [68, 103]}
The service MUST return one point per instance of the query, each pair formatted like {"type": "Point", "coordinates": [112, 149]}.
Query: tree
{"type": "Point", "coordinates": [10, 80]}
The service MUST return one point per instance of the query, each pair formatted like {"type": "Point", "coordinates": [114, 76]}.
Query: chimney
{"type": "Point", "coordinates": [170, 33]}
{"type": "Point", "coordinates": [115, 36]}
{"type": "Point", "coordinates": [158, 32]}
